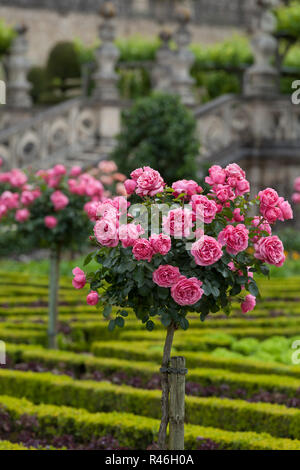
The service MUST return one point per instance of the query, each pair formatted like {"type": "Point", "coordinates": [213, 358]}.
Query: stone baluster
{"type": "Point", "coordinates": [262, 78]}
{"type": "Point", "coordinates": [106, 80]}
{"type": "Point", "coordinates": [182, 82]}
{"type": "Point", "coordinates": [107, 55]}
{"type": "Point", "coordinates": [162, 71]}
{"type": "Point", "coordinates": [18, 87]}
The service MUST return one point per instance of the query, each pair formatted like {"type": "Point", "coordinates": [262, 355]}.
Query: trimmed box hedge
{"type": "Point", "coordinates": [235, 415]}
{"type": "Point", "coordinates": [146, 352]}
{"type": "Point", "coordinates": [132, 430]}
{"type": "Point", "coordinates": [6, 445]}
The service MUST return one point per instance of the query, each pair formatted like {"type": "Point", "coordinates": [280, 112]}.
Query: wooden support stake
{"type": "Point", "coordinates": [53, 298]}
{"type": "Point", "coordinates": [177, 402]}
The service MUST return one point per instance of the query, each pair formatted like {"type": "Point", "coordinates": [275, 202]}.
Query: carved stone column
{"type": "Point", "coordinates": [106, 78]}
{"type": "Point", "coordinates": [162, 72]}
{"type": "Point", "coordinates": [18, 87]}
{"type": "Point", "coordinates": [182, 82]}
{"type": "Point", "coordinates": [107, 56]}
{"type": "Point", "coordinates": [262, 78]}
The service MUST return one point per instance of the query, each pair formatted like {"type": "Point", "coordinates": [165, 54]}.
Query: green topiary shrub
{"type": "Point", "coordinates": [159, 132]}
{"type": "Point", "coordinates": [63, 62]}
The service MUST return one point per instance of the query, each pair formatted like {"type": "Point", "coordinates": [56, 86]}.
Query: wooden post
{"type": "Point", "coordinates": [177, 403]}
{"type": "Point", "coordinates": [162, 434]}
{"type": "Point", "coordinates": [53, 297]}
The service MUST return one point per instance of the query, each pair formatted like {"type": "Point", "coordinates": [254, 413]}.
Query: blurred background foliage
{"type": "Point", "coordinates": [218, 68]}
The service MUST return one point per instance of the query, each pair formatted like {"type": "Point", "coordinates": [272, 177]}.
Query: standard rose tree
{"type": "Point", "coordinates": [51, 209]}
{"type": "Point", "coordinates": [182, 249]}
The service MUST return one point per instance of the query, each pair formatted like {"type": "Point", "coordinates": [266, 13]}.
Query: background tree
{"type": "Point", "coordinates": [160, 132]}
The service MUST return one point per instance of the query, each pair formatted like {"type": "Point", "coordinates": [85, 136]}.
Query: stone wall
{"type": "Point", "coordinates": [211, 12]}
{"type": "Point", "coordinates": [48, 26]}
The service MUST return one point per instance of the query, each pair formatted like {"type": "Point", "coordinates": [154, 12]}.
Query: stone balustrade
{"type": "Point", "coordinates": [68, 133]}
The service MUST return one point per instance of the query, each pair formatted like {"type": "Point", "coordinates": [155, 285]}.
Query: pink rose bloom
{"type": "Point", "coordinates": [59, 170]}
{"type": "Point", "coordinates": [286, 211]}
{"type": "Point", "coordinates": [270, 250]}
{"type": "Point", "coordinates": [91, 208]}
{"type": "Point", "coordinates": [107, 166]}
{"type": "Point", "coordinates": [149, 183]}
{"type": "Point", "coordinates": [271, 214]}
{"type": "Point", "coordinates": [120, 189]}
{"type": "Point", "coordinates": [3, 210]}
{"type": "Point", "coordinates": [17, 178]}
{"type": "Point", "coordinates": [142, 250]}
{"type": "Point", "coordinates": [268, 198]}
{"type": "Point", "coordinates": [75, 171]}
{"type": "Point", "coordinates": [92, 298]}
{"type": "Point", "coordinates": [204, 209]}
{"type": "Point", "coordinates": [106, 210]}
{"type": "Point", "coordinates": [296, 198]}
{"type": "Point", "coordinates": [106, 232]}
{"type": "Point", "coordinates": [242, 187]}
{"type": "Point", "coordinates": [22, 215]}
{"type": "Point", "coordinates": [235, 238]}
{"type": "Point", "coordinates": [235, 171]}
{"type": "Point", "coordinates": [10, 200]}
{"type": "Point", "coordinates": [129, 233]}
{"type": "Point", "coordinates": [161, 243]}
{"type": "Point", "coordinates": [136, 173]}
{"type": "Point", "coordinates": [94, 188]}
{"type": "Point", "coordinates": [178, 223]}
{"type": "Point", "coordinates": [187, 291]}
{"type": "Point", "coordinates": [189, 187]}
{"type": "Point", "coordinates": [130, 186]}
{"type": "Point", "coordinates": [216, 175]}
{"type": "Point", "coordinates": [119, 177]}
{"type": "Point", "coordinates": [249, 303]}
{"type": "Point", "coordinates": [27, 198]}
{"type": "Point", "coordinates": [79, 280]}
{"type": "Point", "coordinates": [224, 192]}
{"type": "Point", "coordinates": [5, 177]}
{"type": "Point", "coordinates": [237, 216]}
{"type": "Point", "coordinates": [50, 221]}
{"type": "Point", "coordinates": [166, 276]}
{"type": "Point", "coordinates": [107, 180]}
{"type": "Point", "coordinates": [297, 185]}
{"type": "Point", "coordinates": [59, 200]}
{"type": "Point", "coordinates": [206, 251]}
{"type": "Point", "coordinates": [260, 227]}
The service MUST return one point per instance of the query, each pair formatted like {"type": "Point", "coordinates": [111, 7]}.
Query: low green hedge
{"type": "Point", "coordinates": [148, 352]}
{"type": "Point", "coordinates": [197, 336]}
{"type": "Point", "coordinates": [226, 414]}
{"type": "Point", "coordinates": [236, 375]}
{"type": "Point", "coordinates": [6, 445]}
{"type": "Point", "coordinates": [132, 430]}
{"type": "Point", "coordinates": [23, 336]}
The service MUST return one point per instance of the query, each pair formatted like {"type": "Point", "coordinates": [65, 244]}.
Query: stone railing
{"type": "Point", "coordinates": [234, 121]}
{"type": "Point", "coordinates": [58, 134]}
{"type": "Point", "coordinates": [263, 135]}
{"type": "Point", "coordinates": [210, 12]}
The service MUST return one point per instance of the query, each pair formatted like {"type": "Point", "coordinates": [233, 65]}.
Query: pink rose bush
{"type": "Point", "coordinates": [184, 248]}
{"type": "Point", "coordinates": [50, 207]}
